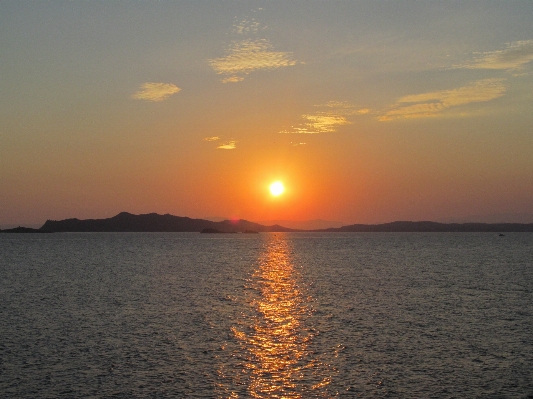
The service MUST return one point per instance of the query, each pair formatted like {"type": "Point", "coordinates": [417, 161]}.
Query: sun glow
{"type": "Point", "coordinates": [277, 188]}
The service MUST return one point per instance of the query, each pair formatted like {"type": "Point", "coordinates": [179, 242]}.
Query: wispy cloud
{"type": "Point", "coordinates": [246, 26]}
{"type": "Point", "coordinates": [230, 145]}
{"type": "Point", "coordinates": [322, 123]}
{"type": "Point", "coordinates": [232, 79]}
{"type": "Point", "coordinates": [328, 119]}
{"type": "Point", "coordinates": [513, 57]}
{"type": "Point", "coordinates": [247, 56]}
{"type": "Point", "coordinates": [434, 103]}
{"type": "Point", "coordinates": [151, 91]}
{"type": "Point", "coordinates": [345, 108]}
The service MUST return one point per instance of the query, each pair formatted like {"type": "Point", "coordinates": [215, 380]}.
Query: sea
{"type": "Point", "coordinates": [270, 315]}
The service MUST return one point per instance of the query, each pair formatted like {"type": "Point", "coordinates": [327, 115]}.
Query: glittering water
{"type": "Point", "coordinates": [273, 334]}
{"type": "Point", "coordinates": [301, 315]}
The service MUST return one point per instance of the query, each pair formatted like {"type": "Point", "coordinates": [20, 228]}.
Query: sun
{"type": "Point", "coordinates": [277, 188]}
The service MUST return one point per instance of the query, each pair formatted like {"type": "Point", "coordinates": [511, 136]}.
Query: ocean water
{"type": "Point", "coordinates": [297, 315]}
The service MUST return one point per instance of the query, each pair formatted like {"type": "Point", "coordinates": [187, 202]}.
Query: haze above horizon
{"type": "Point", "coordinates": [367, 112]}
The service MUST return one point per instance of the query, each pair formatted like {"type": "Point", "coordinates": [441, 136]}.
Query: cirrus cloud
{"type": "Point", "coordinates": [232, 79]}
{"type": "Point", "coordinates": [248, 56]}
{"type": "Point", "coordinates": [330, 118]}
{"type": "Point", "coordinates": [230, 145]}
{"type": "Point", "coordinates": [246, 26]}
{"type": "Point", "coordinates": [322, 123]}
{"type": "Point", "coordinates": [513, 57]}
{"type": "Point", "coordinates": [434, 103]}
{"type": "Point", "coordinates": [152, 91]}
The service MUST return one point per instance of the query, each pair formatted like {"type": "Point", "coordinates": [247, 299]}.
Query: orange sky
{"type": "Point", "coordinates": [367, 111]}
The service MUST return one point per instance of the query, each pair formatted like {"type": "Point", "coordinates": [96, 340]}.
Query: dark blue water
{"type": "Point", "coordinates": [300, 315]}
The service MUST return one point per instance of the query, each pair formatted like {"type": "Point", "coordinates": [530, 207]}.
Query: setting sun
{"type": "Point", "coordinates": [277, 188]}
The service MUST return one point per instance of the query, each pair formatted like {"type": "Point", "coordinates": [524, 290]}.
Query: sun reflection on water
{"type": "Point", "coordinates": [273, 335]}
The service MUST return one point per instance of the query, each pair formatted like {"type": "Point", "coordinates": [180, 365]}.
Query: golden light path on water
{"type": "Point", "coordinates": [273, 338]}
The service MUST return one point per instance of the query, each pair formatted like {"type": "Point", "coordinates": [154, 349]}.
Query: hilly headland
{"type": "Point", "coordinates": [153, 222]}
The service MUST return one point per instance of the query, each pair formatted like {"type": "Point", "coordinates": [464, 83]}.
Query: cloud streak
{"type": "Point", "coordinates": [434, 103]}
{"type": "Point", "coordinates": [330, 118]}
{"type": "Point", "coordinates": [244, 57]}
{"type": "Point", "coordinates": [246, 26]}
{"type": "Point", "coordinates": [513, 57]}
{"type": "Point", "coordinates": [321, 123]}
{"type": "Point", "coordinates": [230, 145]}
{"type": "Point", "coordinates": [232, 79]}
{"type": "Point", "coordinates": [151, 91]}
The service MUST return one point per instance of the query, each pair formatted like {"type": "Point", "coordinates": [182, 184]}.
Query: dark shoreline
{"type": "Point", "coordinates": [153, 222]}
{"type": "Point", "coordinates": [23, 230]}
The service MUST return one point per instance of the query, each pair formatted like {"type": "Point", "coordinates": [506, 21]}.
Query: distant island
{"type": "Point", "coordinates": [215, 231]}
{"type": "Point", "coordinates": [434, 227]}
{"type": "Point", "coordinates": [153, 222]}
{"type": "Point", "coordinates": [22, 230]}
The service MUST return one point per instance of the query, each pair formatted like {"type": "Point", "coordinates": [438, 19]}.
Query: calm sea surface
{"type": "Point", "coordinates": [299, 315]}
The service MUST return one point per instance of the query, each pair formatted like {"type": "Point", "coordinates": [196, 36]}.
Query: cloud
{"type": "Point", "coordinates": [337, 105]}
{"type": "Point", "coordinates": [232, 79]}
{"type": "Point", "coordinates": [333, 115]}
{"type": "Point", "coordinates": [230, 145]}
{"type": "Point", "coordinates": [323, 123]}
{"type": "Point", "coordinates": [434, 103]}
{"type": "Point", "coordinates": [248, 56]}
{"type": "Point", "coordinates": [152, 91]}
{"type": "Point", "coordinates": [513, 57]}
{"type": "Point", "coordinates": [246, 26]}
{"type": "Point", "coordinates": [319, 123]}
{"type": "Point", "coordinates": [345, 108]}
{"type": "Point", "coordinates": [214, 138]}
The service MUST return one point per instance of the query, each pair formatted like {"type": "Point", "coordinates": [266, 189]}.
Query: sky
{"type": "Point", "coordinates": [367, 111]}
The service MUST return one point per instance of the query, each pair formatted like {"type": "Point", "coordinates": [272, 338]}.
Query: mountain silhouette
{"type": "Point", "coordinates": [429, 227]}
{"type": "Point", "coordinates": [153, 222]}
